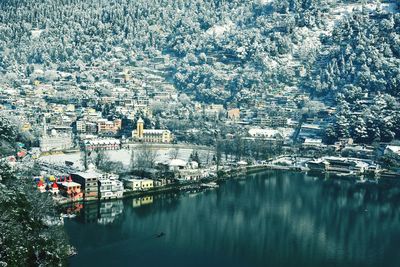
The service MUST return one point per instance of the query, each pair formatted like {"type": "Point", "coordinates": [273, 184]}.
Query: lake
{"type": "Point", "coordinates": [273, 218]}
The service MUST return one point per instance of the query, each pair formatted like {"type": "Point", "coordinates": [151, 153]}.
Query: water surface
{"type": "Point", "coordinates": [267, 219]}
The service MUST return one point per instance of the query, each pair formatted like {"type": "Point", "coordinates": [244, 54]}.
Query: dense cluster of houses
{"type": "Point", "coordinates": [359, 160]}
{"type": "Point", "coordinates": [83, 105]}
{"type": "Point", "coordinates": [61, 107]}
{"type": "Point", "coordinates": [93, 184]}
{"type": "Point", "coordinates": [87, 185]}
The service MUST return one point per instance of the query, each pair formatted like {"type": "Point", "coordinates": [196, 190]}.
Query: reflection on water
{"type": "Point", "coordinates": [96, 212]}
{"type": "Point", "coordinates": [269, 219]}
{"type": "Point", "coordinates": [140, 201]}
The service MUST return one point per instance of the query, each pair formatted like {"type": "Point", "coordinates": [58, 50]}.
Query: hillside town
{"type": "Point", "coordinates": [194, 130]}
{"type": "Point", "coordinates": [137, 113]}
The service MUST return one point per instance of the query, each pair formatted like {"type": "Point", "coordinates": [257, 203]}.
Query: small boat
{"type": "Point", "coordinates": [210, 185]}
{"type": "Point", "coordinates": [160, 235]}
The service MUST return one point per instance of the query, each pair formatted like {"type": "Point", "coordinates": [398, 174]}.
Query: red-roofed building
{"type": "Point", "coordinates": [71, 190]}
{"type": "Point", "coordinates": [41, 186]}
{"type": "Point", "coordinates": [54, 189]}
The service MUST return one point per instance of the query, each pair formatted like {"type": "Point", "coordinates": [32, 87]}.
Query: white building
{"type": "Point", "coordinates": [177, 164]}
{"type": "Point", "coordinates": [185, 171]}
{"type": "Point", "coordinates": [266, 133]}
{"type": "Point", "coordinates": [269, 133]}
{"type": "Point", "coordinates": [102, 144]}
{"type": "Point", "coordinates": [110, 187]}
{"type": "Point", "coordinates": [81, 126]}
{"type": "Point", "coordinates": [58, 138]}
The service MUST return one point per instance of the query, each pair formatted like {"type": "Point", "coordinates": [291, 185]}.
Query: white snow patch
{"type": "Point", "coordinates": [264, 2]}
{"type": "Point", "coordinates": [219, 30]}
{"type": "Point", "coordinates": [36, 33]}
{"type": "Point", "coordinates": [344, 10]}
{"type": "Point", "coordinates": [124, 156]}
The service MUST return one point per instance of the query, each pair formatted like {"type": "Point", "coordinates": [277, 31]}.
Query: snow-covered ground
{"type": "Point", "coordinates": [310, 38]}
{"type": "Point", "coordinates": [124, 156]}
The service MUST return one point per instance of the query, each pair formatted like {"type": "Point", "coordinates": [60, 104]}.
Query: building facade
{"type": "Point", "coordinates": [56, 138]}
{"type": "Point", "coordinates": [102, 144]}
{"type": "Point", "coordinates": [139, 184]}
{"type": "Point", "coordinates": [150, 135]}
{"type": "Point", "coordinates": [70, 189]}
{"type": "Point", "coordinates": [110, 188]}
{"type": "Point", "coordinates": [89, 182]}
{"type": "Point", "coordinates": [109, 127]}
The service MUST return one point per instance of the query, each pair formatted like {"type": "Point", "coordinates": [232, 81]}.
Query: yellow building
{"type": "Point", "coordinates": [70, 108]}
{"type": "Point", "coordinates": [150, 135]}
{"type": "Point", "coordinates": [140, 129]}
{"type": "Point", "coordinates": [26, 127]}
{"type": "Point", "coordinates": [139, 184]}
{"type": "Point", "coordinates": [147, 184]}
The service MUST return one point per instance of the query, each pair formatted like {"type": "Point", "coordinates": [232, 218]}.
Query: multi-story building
{"type": "Point", "coordinates": [70, 189]}
{"type": "Point", "coordinates": [81, 126]}
{"type": "Point", "coordinates": [102, 144]}
{"type": "Point", "coordinates": [56, 138]}
{"type": "Point", "coordinates": [109, 127]}
{"type": "Point", "coordinates": [110, 187]}
{"type": "Point", "coordinates": [89, 182]}
{"type": "Point", "coordinates": [150, 135]}
{"type": "Point", "coordinates": [139, 184]}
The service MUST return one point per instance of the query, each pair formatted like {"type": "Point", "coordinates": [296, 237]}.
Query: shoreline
{"type": "Point", "coordinates": [175, 186]}
{"type": "Point", "coordinates": [225, 175]}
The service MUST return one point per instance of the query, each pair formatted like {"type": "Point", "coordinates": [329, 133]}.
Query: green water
{"type": "Point", "coordinates": [267, 219]}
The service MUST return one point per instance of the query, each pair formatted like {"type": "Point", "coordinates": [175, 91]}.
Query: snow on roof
{"type": "Point", "coordinates": [154, 131]}
{"type": "Point", "coordinates": [103, 141]}
{"type": "Point", "coordinates": [88, 174]}
{"type": "Point", "coordinates": [313, 140]}
{"type": "Point", "coordinates": [69, 184]}
{"type": "Point", "coordinates": [263, 132]}
{"type": "Point", "coordinates": [264, 2]}
{"type": "Point", "coordinates": [311, 126]}
{"type": "Point", "coordinates": [177, 162]}
{"type": "Point", "coordinates": [394, 149]}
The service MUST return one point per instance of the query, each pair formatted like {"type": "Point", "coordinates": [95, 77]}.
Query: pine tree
{"type": "Point", "coordinates": [360, 131]}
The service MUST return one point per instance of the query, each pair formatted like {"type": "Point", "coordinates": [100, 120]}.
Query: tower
{"type": "Point", "coordinates": [139, 128]}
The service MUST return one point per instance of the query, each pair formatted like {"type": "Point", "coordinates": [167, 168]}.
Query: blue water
{"type": "Point", "coordinates": [268, 219]}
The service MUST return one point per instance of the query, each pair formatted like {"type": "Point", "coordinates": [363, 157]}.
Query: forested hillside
{"type": "Point", "coordinates": [361, 71]}
{"type": "Point", "coordinates": [227, 50]}
{"type": "Point", "coordinates": [230, 52]}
